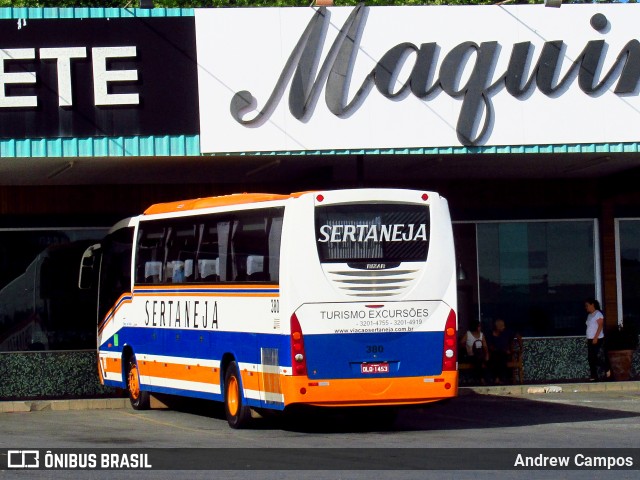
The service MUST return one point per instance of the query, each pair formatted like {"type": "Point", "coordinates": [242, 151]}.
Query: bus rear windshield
{"type": "Point", "coordinates": [381, 232]}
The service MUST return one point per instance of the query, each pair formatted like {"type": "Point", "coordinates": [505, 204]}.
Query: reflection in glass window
{"type": "Point", "coordinates": [629, 237]}
{"type": "Point", "coordinates": [41, 306]}
{"type": "Point", "coordinates": [536, 275]}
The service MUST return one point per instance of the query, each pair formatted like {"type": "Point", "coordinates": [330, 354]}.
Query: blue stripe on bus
{"type": "Point", "coordinates": [329, 356]}
{"type": "Point", "coordinates": [219, 397]}
{"type": "Point", "coordinates": [122, 300]}
{"type": "Point", "coordinates": [113, 383]}
{"type": "Point", "coordinates": [185, 393]}
{"type": "Point", "coordinates": [203, 344]}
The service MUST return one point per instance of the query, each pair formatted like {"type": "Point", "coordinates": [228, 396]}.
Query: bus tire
{"type": "Point", "coordinates": [238, 414]}
{"type": "Point", "coordinates": [140, 400]}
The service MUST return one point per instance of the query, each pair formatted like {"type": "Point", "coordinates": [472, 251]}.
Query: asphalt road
{"type": "Point", "coordinates": [587, 422]}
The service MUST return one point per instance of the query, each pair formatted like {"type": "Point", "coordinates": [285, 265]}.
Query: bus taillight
{"type": "Point", "coordinates": [450, 350]}
{"type": "Point", "coordinates": [298, 358]}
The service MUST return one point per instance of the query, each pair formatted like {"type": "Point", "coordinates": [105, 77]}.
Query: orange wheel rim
{"type": "Point", "coordinates": [233, 396]}
{"type": "Point", "coordinates": [134, 384]}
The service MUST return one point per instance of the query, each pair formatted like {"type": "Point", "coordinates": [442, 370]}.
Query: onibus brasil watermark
{"type": "Point", "coordinates": [36, 459]}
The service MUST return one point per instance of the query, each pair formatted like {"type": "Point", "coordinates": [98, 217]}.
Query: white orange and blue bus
{"type": "Point", "coordinates": [264, 301]}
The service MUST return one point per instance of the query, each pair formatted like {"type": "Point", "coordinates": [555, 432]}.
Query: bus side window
{"type": "Point", "coordinates": [275, 237]}
{"type": "Point", "coordinates": [208, 269]}
{"type": "Point", "coordinates": [150, 254]}
{"type": "Point", "coordinates": [188, 255]}
{"type": "Point", "coordinates": [255, 247]}
{"type": "Point", "coordinates": [255, 267]}
{"type": "Point", "coordinates": [152, 272]}
{"type": "Point", "coordinates": [249, 240]}
{"type": "Point", "coordinates": [181, 253]}
{"type": "Point", "coordinates": [207, 260]}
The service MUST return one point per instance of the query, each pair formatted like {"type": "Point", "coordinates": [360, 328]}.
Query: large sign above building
{"type": "Point", "coordinates": [291, 79]}
{"type": "Point", "coordinates": [98, 77]}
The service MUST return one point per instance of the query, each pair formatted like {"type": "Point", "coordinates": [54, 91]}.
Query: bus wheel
{"type": "Point", "coordinates": [238, 414]}
{"type": "Point", "coordinates": [140, 400]}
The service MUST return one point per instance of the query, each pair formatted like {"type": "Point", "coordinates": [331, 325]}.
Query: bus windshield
{"type": "Point", "coordinates": [385, 232]}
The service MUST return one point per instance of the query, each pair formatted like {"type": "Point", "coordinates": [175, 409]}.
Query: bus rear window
{"type": "Point", "coordinates": [362, 233]}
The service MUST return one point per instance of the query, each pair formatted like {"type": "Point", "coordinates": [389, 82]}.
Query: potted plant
{"type": "Point", "coordinates": [620, 344]}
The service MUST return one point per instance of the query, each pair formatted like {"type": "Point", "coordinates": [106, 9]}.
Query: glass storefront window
{"type": "Point", "coordinates": [629, 271]}
{"type": "Point", "coordinates": [535, 275]}
{"type": "Point", "coordinates": [41, 307]}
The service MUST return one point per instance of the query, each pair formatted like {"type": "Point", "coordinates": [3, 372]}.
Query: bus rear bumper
{"type": "Point", "coordinates": [369, 391]}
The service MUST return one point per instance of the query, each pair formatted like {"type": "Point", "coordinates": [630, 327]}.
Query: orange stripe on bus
{"type": "Point", "coordinates": [197, 373]}
{"type": "Point", "coordinates": [114, 365]}
{"type": "Point", "coordinates": [271, 382]}
{"type": "Point", "coordinates": [369, 391]}
{"type": "Point", "coordinates": [205, 294]}
{"type": "Point", "coordinates": [327, 392]}
{"type": "Point", "coordinates": [100, 376]}
{"type": "Point", "coordinates": [250, 380]}
{"type": "Point", "coordinates": [209, 202]}
{"type": "Point", "coordinates": [177, 371]}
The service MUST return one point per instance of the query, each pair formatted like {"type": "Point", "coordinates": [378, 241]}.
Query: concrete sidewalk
{"type": "Point", "coordinates": [75, 404]}
{"type": "Point", "coordinates": [549, 388]}
{"type": "Point", "coordinates": [123, 403]}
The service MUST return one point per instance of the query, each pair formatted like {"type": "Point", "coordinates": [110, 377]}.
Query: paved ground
{"type": "Point", "coordinates": [535, 391]}
{"type": "Point", "coordinates": [487, 424]}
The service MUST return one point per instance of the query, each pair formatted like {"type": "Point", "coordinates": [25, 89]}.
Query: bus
{"type": "Point", "coordinates": [343, 298]}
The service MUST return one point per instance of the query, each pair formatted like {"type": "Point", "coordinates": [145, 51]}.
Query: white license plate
{"type": "Point", "coordinates": [374, 367]}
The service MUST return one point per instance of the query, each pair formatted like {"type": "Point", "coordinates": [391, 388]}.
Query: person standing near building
{"type": "Point", "coordinates": [595, 338]}
{"type": "Point", "coordinates": [477, 351]}
{"type": "Point", "coordinates": [500, 350]}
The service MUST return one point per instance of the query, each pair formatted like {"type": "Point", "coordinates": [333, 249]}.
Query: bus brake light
{"type": "Point", "coordinates": [298, 357]}
{"type": "Point", "coordinates": [450, 347]}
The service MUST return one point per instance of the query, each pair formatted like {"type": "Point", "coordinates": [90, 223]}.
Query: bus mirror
{"type": "Point", "coordinates": [87, 266]}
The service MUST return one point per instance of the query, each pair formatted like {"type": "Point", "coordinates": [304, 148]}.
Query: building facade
{"type": "Point", "coordinates": [525, 118]}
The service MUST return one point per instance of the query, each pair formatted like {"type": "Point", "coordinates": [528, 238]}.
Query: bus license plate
{"type": "Point", "coordinates": [374, 367]}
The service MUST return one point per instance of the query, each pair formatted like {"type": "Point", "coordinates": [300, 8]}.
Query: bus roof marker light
{"type": "Point", "coordinates": [320, 197]}
{"type": "Point", "coordinates": [425, 197]}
